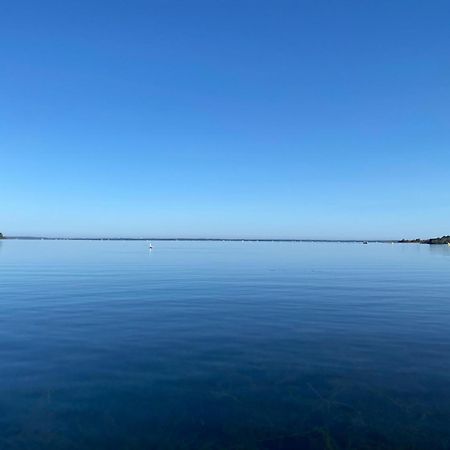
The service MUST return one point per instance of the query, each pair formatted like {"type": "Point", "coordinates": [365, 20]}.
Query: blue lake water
{"type": "Point", "coordinates": [224, 345]}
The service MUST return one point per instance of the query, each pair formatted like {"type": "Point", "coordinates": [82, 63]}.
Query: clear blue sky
{"type": "Point", "coordinates": [309, 119]}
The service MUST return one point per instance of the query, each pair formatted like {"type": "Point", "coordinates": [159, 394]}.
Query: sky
{"type": "Point", "coordinates": [225, 118]}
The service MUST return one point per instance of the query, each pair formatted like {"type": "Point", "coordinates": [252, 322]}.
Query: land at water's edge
{"type": "Point", "coordinates": [439, 241]}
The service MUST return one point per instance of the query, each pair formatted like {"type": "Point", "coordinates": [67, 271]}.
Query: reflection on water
{"type": "Point", "coordinates": [224, 345]}
{"type": "Point", "coordinates": [440, 249]}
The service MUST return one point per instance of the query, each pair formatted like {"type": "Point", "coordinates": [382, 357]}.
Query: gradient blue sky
{"type": "Point", "coordinates": [308, 119]}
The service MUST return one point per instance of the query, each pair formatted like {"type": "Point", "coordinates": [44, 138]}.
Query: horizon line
{"type": "Point", "coordinates": [218, 239]}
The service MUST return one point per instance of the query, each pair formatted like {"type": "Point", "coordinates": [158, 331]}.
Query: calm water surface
{"type": "Point", "coordinates": [224, 345]}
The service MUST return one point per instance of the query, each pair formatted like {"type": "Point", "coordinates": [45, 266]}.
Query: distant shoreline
{"type": "Point", "coordinates": [444, 240]}
{"type": "Point", "coordinates": [37, 238]}
{"type": "Point", "coordinates": [434, 241]}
